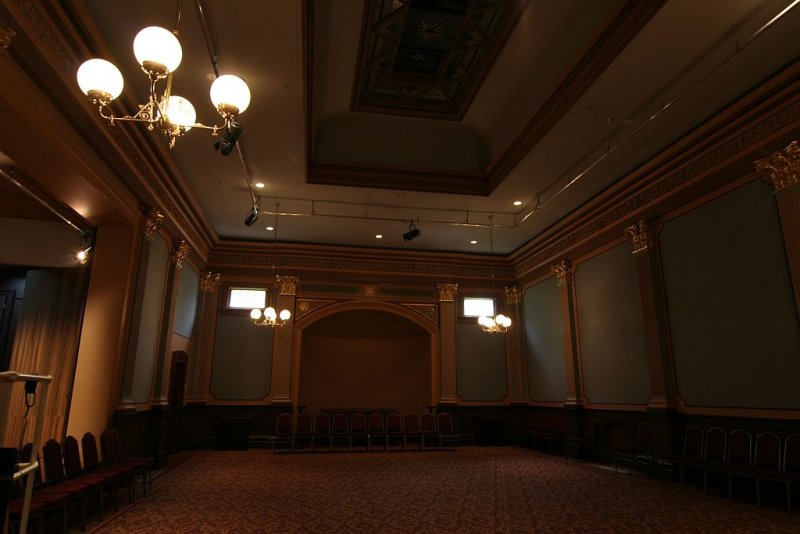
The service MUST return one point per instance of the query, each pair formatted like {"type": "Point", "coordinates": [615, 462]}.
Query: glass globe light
{"type": "Point", "coordinates": [180, 112]}
{"type": "Point", "coordinates": [100, 80]}
{"type": "Point", "coordinates": [285, 315]}
{"type": "Point", "coordinates": [503, 321]}
{"type": "Point", "coordinates": [157, 50]}
{"type": "Point", "coordinates": [230, 95]}
{"type": "Point", "coordinates": [270, 314]}
{"type": "Point", "coordinates": [255, 314]}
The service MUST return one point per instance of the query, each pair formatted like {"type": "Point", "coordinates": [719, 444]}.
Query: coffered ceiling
{"type": "Point", "coordinates": [368, 114]}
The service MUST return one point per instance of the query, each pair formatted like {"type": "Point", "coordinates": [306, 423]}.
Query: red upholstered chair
{"type": "Point", "coordinates": [692, 453]}
{"type": "Point", "coordinates": [302, 431]}
{"type": "Point", "coordinates": [44, 500]}
{"type": "Point", "coordinates": [394, 430]}
{"type": "Point", "coordinates": [123, 475]}
{"type": "Point", "coordinates": [411, 432]}
{"type": "Point", "coordinates": [377, 430]}
{"type": "Point", "coordinates": [447, 432]}
{"type": "Point", "coordinates": [427, 428]}
{"type": "Point", "coordinates": [639, 454]}
{"type": "Point", "coordinates": [97, 482]}
{"type": "Point", "coordinates": [767, 460]}
{"type": "Point", "coordinates": [322, 430]}
{"type": "Point", "coordinates": [55, 478]}
{"type": "Point", "coordinates": [584, 440]}
{"type": "Point", "coordinates": [740, 457]}
{"type": "Point", "coordinates": [340, 430]}
{"type": "Point", "coordinates": [789, 473]}
{"type": "Point", "coordinates": [358, 431]}
{"type": "Point", "coordinates": [714, 454]}
{"type": "Point", "coordinates": [283, 431]}
{"type": "Point", "coordinates": [111, 446]}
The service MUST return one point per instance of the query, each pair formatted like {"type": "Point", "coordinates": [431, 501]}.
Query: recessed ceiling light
{"type": "Point", "coordinates": [473, 242]}
{"type": "Point", "coordinates": [518, 203]}
{"type": "Point", "coordinates": [270, 228]}
{"type": "Point", "coordinates": [378, 236]}
{"type": "Point", "coordinates": [260, 185]}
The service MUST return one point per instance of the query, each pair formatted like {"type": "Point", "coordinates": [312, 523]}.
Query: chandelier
{"type": "Point", "coordinates": [269, 316]}
{"type": "Point", "coordinates": [500, 323]}
{"type": "Point", "coordinates": [159, 54]}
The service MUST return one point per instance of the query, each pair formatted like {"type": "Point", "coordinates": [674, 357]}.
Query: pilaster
{"type": "Point", "coordinates": [282, 347]}
{"type": "Point", "coordinates": [448, 394]}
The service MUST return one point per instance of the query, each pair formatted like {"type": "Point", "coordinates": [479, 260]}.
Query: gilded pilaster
{"type": "Point", "coordinates": [782, 170]}
{"type": "Point", "coordinates": [564, 279]}
{"type": "Point", "coordinates": [447, 327]}
{"type": "Point", "coordinates": [203, 353]}
{"type": "Point", "coordinates": [516, 366]}
{"type": "Point", "coordinates": [282, 348]}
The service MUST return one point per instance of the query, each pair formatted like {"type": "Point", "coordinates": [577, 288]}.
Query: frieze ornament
{"type": "Point", "coordinates": [6, 35]}
{"type": "Point", "coordinates": [209, 281]}
{"type": "Point", "coordinates": [153, 220]}
{"type": "Point", "coordinates": [180, 249]}
{"type": "Point", "coordinates": [513, 295]}
{"type": "Point", "coordinates": [562, 270]}
{"type": "Point", "coordinates": [447, 292]}
{"type": "Point", "coordinates": [287, 285]}
{"type": "Point", "coordinates": [641, 235]}
{"type": "Point", "coordinates": [782, 168]}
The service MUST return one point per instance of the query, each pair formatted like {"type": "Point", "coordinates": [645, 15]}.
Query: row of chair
{"type": "Point", "coordinates": [69, 485]}
{"type": "Point", "coordinates": [305, 431]}
{"type": "Point", "coordinates": [550, 431]}
{"type": "Point", "coordinates": [735, 455]}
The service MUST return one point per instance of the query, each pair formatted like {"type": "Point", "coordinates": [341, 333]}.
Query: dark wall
{"type": "Point", "coordinates": [611, 330]}
{"type": "Point", "coordinates": [481, 363]}
{"type": "Point", "coordinates": [733, 320]}
{"type": "Point", "coordinates": [242, 365]}
{"type": "Point", "coordinates": [544, 336]}
{"type": "Point", "coordinates": [365, 359]}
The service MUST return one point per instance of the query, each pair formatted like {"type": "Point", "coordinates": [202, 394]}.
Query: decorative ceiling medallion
{"type": "Point", "coordinates": [429, 56]}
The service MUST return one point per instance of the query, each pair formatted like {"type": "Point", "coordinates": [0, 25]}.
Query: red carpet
{"type": "Point", "coordinates": [473, 489]}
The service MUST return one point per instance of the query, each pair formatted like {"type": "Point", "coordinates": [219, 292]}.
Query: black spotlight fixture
{"type": "Point", "coordinates": [252, 217]}
{"type": "Point", "coordinates": [413, 232]}
{"type": "Point", "coordinates": [228, 138]}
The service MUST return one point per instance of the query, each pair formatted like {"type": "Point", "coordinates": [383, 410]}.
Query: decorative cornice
{"type": "Point", "coordinates": [209, 281]}
{"type": "Point", "coordinates": [563, 270]}
{"type": "Point", "coordinates": [447, 292]}
{"type": "Point", "coordinates": [513, 295]}
{"type": "Point", "coordinates": [153, 220]}
{"type": "Point", "coordinates": [738, 143]}
{"type": "Point", "coordinates": [782, 168]}
{"type": "Point", "coordinates": [180, 249]}
{"type": "Point", "coordinates": [641, 235]}
{"type": "Point", "coordinates": [329, 262]}
{"type": "Point", "coordinates": [6, 36]}
{"type": "Point", "coordinates": [429, 311]}
{"type": "Point", "coordinates": [287, 285]}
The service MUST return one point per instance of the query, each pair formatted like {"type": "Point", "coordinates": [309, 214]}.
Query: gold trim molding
{"type": "Point", "coordinates": [513, 295]}
{"type": "Point", "coordinates": [153, 220]}
{"type": "Point", "coordinates": [641, 235]}
{"type": "Point", "coordinates": [781, 169]}
{"type": "Point", "coordinates": [6, 36]}
{"type": "Point", "coordinates": [180, 249]}
{"type": "Point", "coordinates": [209, 282]}
{"type": "Point", "coordinates": [447, 292]}
{"type": "Point", "coordinates": [562, 270]}
{"type": "Point", "coordinates": [287, 285]}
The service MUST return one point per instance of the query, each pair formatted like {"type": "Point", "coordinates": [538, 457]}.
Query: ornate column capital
{"type": "Point", "coordinates": [513, 295]}
{"type": "Point", "coordinates": [563, 270]}
{"type": "Point", "coordinates": [287, 285]}
{"type": "Point", "coordinates": [447, 292]}
{"type": "Point", "coordinates": [180, 249]}
{"type": "Point", "coordinates": [153, 218]}
{"type": "Point", "coordinates": [209, 282]}
{"type": "Point", "coordinates": [641, 235]}
{"type": "Point", "coordinates": [782, 168]}
{"type": "Point", "coordinates": [6, 35]}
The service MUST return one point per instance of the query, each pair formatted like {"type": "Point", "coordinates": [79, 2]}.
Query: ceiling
{"type": "Point", "coordinates": [366, 115]}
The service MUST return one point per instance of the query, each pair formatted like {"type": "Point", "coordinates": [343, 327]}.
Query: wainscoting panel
{"type": "Point", "coordinates": [544, 334]}
{"type": "Point", "coordinates": [734, 325]}
{"type": "Point", "coordinates": [611, 329]}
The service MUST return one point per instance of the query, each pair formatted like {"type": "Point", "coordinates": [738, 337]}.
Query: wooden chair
{"type": "Point", "coordinates": [411, 431]}
{"type": "Point", "coordinates": [447, 432]}
{"type": "Point", "coordinates": [427, 428]}
{"type": "Point", "coordinates": [714, 454]}
{"type": "Point", "coordinates": [394, 430]}
{"type": "Point", "coordinates": [123, 475]}
{"type": "Point", "coordinates": [322, 430]}
{"type": "Point", "coordinates": [283, 432]}
{"type": "Point", "coordinates": [740, 457]}
{"type": "Point", "coordinates": [692, 453]}
{"type": "Point", "coordinates": [302, 431]}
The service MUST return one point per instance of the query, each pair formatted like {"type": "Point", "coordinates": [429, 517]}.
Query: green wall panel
{"type": "Point", "coordinates": [544, 347]}
{"type": "Point", "coordinates": [242, 368]}
{"type": "Point", "coordinates": [481, 363]}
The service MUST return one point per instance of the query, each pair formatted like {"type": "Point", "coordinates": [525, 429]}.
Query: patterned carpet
{"type": "Point", "coordinates": [473, 489]}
